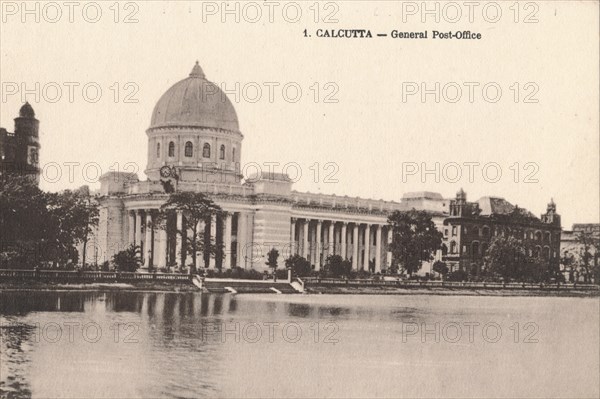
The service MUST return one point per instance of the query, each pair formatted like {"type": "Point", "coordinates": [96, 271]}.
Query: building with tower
{"type": "Point", "coordinates": [195, 144]}
{"type": "Point", "coordinates": [19, 151]}
{"type": "Point", "coordinates": [471, 226]}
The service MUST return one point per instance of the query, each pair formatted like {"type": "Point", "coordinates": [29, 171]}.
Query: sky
{"type": "Point", "coordinates": [513, 114]}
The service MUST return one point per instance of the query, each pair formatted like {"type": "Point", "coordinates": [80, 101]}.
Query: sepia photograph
{"type": "Point", "coordinates": [299, 199]}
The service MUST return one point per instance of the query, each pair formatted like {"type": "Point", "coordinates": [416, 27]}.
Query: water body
{"type": "Point", "coordinates": [120, 344]}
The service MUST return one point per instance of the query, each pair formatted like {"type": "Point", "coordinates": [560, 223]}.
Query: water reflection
{"type": "Point", "coordinates": [130, 344]}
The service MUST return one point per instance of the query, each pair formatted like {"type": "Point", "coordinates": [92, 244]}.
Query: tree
{"type": "Point", "coordinates": [72, 215]}
{"type": "Point", "coordinates": [42, 226]}
{"type": "Point", "coordinates": [336, 266]}
{"type": "Point", "coordinates": [197, 208]}
{"type": "Point", "coordinates": [414, 239]}
{"type": "Point", "coordinates": [440, 267]}
{"type": "Point", "coordinates": [587, 255]}
{"type": "Point", "coordinates": [568, 261]}
{"type": "Point", "coordinates": [23, 221]}
{"type": "Point", "coordinates": [272, 257]}
{"type": "Point", "coordinates": [299, 265]}
{"type": "Point", "coordinates": [505, 257]}
{"type": "Point", "coordinates": [128, 260]}
{"type": "Point", "coordinates": [92, 215]}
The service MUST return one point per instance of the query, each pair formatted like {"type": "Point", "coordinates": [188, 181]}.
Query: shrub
{"type": "Point", "coordinates": [128, 260]}
{"type": "Point", "coordinates": [458, 275]}
{"type": "Point", "coordinates": [336, 266]}
{"type": "Point", "coordinates": [299, 265]}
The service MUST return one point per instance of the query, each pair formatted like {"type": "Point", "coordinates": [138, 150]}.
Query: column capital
{"type": "Point", "coordinates": [319, 221]}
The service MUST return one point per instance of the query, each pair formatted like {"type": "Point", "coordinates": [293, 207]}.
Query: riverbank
{"type": "Point", "coordinates": [138, 286]}
{"type": "Point", "coordinates": [378, 290]}
{"type": "Point", "coordinates": [240, 287]}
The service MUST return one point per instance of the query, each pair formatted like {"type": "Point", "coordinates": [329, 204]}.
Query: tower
{"type": "Point", "coordinates": [457, 207]}
{"type": "Point", "coordinates": [28, 143]}
{"type": "Point", "coordinates": [20, 150]}
{"type": "Point", "coordinates": [551, 217]}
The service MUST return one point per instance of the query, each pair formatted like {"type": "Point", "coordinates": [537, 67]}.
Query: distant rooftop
{"type": "Point", "coordinates": [421, 195]}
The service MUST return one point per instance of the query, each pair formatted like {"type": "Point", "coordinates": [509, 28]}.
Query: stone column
{"type": "Point", "coordinates": [148, 240]}
{"type": "Point", "coordinates": [162, 248]}
{"type": "Point", "coordinates": [293, 236]}
{"type": "Point", "coordinates": [330, 240]}
{"type": "Point", "coordinates": [131, 229]}
{"type": "Point", "coordinates": [355, 248]}
{"type": "Point", "coordinates": [378, 249]}
{"type": "Point", "coordinates": [213, 238]}
{"type": "Point", "coordinates": [344, 236]}
{"type": "Point", "coordinates": [305, 239]}
{"type": "Point", "coordinates": [138, 227]}
{"type": "Point", "coordinates": [241, 236]}
{"type": "Point", "coordinates": [179, 240]}
{"type": "Point", "coordinates": [227, 242]}
{"type": "Point", "coordinates": [200, 229]}
{"type": "Point", "coordinates": [389, 241]}
{"type": "Point", "coordinates": [318, 246]}
{"type": "Point", "coordinates": [367, 245]}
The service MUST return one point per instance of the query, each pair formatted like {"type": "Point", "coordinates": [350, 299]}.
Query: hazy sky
{"type": "Point", "coordinates": [371, 133]}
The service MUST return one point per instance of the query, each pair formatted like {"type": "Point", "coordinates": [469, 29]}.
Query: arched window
{"type": "Point", "coordinates": [547, 237]}
{"type": "Point", "coordinates": [206, 150]}
{"type": "Point", "coordinates": [444, 250]}
{"type": "Point", "coordinates": [476, 231]}
{"type": "Point", "coordinates": [453, 247]}
{"type": "Point", "coordinates": [189, 149]}
{"type": "Point", "coordinates": [171, 149]}
{"type": "Point", "coordinates": [475, 248]}
{"type": "Point", "coordinates": [538, 236]}
{"type": "Point", "coordinates": [484, 248]}
{"type": "Point", "coordinates": [546, 252]}
{"type": "Point", "coordinates": [222, 152]}
{"type": "Point", "coordinates": [157, 150]}
{"type": "Point", "coordinates": [486, 231]}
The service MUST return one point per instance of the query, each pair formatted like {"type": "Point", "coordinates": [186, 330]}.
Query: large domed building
{"type": "Point", "coordinates": [195, 145]}
{"type": "Point", "coordinates": [194, 127]}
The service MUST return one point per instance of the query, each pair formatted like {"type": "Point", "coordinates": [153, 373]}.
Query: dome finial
{"type": "Point", "coordinates": [197, 71]}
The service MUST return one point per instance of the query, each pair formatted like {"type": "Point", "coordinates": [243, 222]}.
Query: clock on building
{"type": "Point", "coordinates": [165, 171]}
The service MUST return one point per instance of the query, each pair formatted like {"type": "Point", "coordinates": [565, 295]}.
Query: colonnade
{"type": "Point", "coordinates": [365, 244]}
{"type": "Point", "coordinates": [162, 243]}
{"type": "Point", "coordinates": [362, 243]}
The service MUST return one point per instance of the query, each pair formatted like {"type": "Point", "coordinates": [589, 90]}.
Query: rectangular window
{"type": "Point", "coordinates": [453, 230]}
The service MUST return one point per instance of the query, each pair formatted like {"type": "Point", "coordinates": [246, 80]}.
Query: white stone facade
{"type": "Point", "coordinates": [196, 138]}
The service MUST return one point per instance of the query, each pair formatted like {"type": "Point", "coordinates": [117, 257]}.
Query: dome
{"type": "Point", "coordinates": [195, 102]}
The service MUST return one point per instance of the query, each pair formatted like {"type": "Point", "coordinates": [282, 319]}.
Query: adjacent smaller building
{"type": "Point", "coordinates": [471, 226]}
